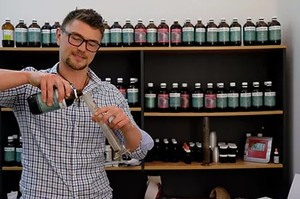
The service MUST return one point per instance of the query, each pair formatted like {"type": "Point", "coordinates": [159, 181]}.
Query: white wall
{"type": "Point", "coordinates": [194, 9]}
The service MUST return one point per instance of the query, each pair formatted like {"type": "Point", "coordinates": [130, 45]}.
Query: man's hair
{"type": "Point", "coordinates": [88, 16]}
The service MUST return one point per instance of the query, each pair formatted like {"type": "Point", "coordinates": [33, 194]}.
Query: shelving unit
{"type": "Point", "coordinates": [191, 64]}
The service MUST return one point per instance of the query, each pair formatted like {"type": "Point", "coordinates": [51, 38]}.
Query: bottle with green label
{"type": "Point", "coordinates": [222, 97]}
{"type": "Point", "coordinates": [249, 32]}
{"type": "Point", "coordinates": [116, 34]}
{"type": "Point", "coordinates": [150, 98]}
{"type": "Point", "coordinates": [200, 33]}
{"type": "Point", "coordinates": [133, 93]}
{"type": "Point", "coordinates": [262, 32]}
{"type": "Point", "coordinates": [34, 34]}
{"type": "Point", "coordinates": [174, 98]}
{"type": "Point", "coordinates": [269, 95]}
{"type": "Point", "coordinates": [105, 42]}
{"type": "Point", "coordinates": [223, 33]}
{"type": "Point", "coordinates": [245, 97]}
{"type": "Point", "coordinates": [8, 34]}
{"type": "Point", "coordinates": [233, 97]}
{"type": "Point", "coordinates": [176, 34]}
{"type": "Point", "coordinates": [188, 33]}
{"type": "Point", "coordinates": [19, 152]}
{"type": "Point", "coordinates": [46, 34]}
{"type": "Point", "coordinates": [21, 31]}
{"type": "Point", "coordinates": [257, 96]}
{"type": "Point", "coordinates": [197, 98]}
{"type": "Point", "coordinates": [235, 33]}
{"type": "Point", "coordinates": [151, 33]}
{"type": "Point", "coordinates": [128, 34]}
{"type": "Point", "coordinates": [211, 33]}
{"type": "Point", "coordinates": [54, 28]}
{"type": "Point", "coordinates": [37, 106]}
{"type": "Point", "coordinates": [274, 32]}
{"type": "Point", "coordinates": [9, 152]}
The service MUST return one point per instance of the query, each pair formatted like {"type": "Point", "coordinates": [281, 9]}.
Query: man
{"type": "Point", "coordinates": [63, 150]}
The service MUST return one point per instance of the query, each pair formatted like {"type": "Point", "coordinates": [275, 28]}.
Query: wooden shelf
{"type": "Point", "coordinates": [240, 164]}
{"type": "Point", "coordinates": [167, 48]}
{"type": "Point", "coordinates": [212, 114]}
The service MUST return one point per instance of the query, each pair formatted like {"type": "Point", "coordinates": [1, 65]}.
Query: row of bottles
{"type": "Point", "coordinates": [211, 99]}
{"type": "Point", "coordinates": [192, 35]}
{"type": "Point", "coordinates": [32, 36]}
{"type": "Point", "coordinates": [13, 151]}
{"type": "Point", "coordinates": [261, 33]}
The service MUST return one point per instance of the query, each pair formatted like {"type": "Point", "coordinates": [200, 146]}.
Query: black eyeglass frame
{"type": "Point", "coordinates": [82, 41]}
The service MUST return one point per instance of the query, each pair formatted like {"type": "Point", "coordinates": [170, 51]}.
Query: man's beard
{"type": "Point", "coordinates": [73, 66]}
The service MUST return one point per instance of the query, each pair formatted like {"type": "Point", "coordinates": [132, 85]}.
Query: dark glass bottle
{"type": "Point", "coordinates": [165, 150]}
{"type": "Point", "coordinates": [233, 97]}
{"type": "Point", "coordinates": [222, 97]}
{"type": "Point", "coordinates": [188, 33]}
{"type": "Point", "coordinates": [174, 98]}
{"type": "Point", "coordinates": [53, 33]}
{"type": "Point", "coordinates": [46, 35]}
{"type": "Point", "coordinates": [128, 34]}
{"type": "Point", "coordinates": [151, 34]}
{"type": "Point", "coordinates": [274, 32]}
{"type": "Point", "coordinates": [211, 33]}
{"type": "Point", "coordinates": [34, 34]}
{"type": "Point", "coordinates": [163, 98]}
{"type": "Point", "coordinates": [185, 97]}
{"type": "Point", "coordinates": [116, 34]}
{"type": "Point", "coordinates": [197, 98]}
{"type": "Point", "coordinates": [176, 34]}
{"type": "Point", "coordinates": [174, 150]}
{"type": "Point", "coordinates": [249, 33]}
{"type": "Point", "coordinates": [157, 149]}
{"type": "Point", "coordinates": [19, 152]}
{"type": "Point", "coordinates": [257, 96]}
{"type": "Point", "coordinates": [150, 98]}
{"type": "Point", "coordinates": [37, 106]}
{"type": "Point", "coordinates": [140, 32]}
{"type": "Point", "coordinates": [21, 31]}
{"type": "Point", "coordinates": [163, 33]}
{"type": "Point", "coordinates": [245, 97]}
{"type": "Point", "coordinates": [210, 98]}
{"type": "Point", "coordinates": [262, 32]}
{"type": "Point", "coordinates": [269, 96]}
{"type": "Point", "coordinates": [200, 33]}
{"type": "Point", "coordinates": [105, 42]}
{"type": "Point", "coordinates": [133, 93]}
{"type": "Point", "coordinates": [9, 152]}
{"type": "Point", "coordinates": [121, 86]}
{"type": "Point", "coordinates": [223, 33]}
{"type": "Point", "coordinates": [8, 34]}
{"type": "Point", "coordinates": [235, 33]}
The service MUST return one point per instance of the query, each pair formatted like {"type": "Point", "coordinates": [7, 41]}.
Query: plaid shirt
{"type": "Point", "coordinates": [63, 150]}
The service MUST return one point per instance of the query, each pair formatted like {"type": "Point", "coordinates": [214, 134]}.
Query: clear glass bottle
{"type": "Point", "coordinates": [34, 34]}
{"type": "Point", "coordinates": [188, 33]}
{"type": "Point", "coordinates": [249, 31]}
{"type": "Point", "coordinates": [176, 34]}
{"type": "Point", "coordinates": [133, 93]}
{"type": "Point", "coordinates": [46, 34]}
{"type": "Point", "coordinates": [105, 42]}
{"type": "Point", "coordinates": [140, 34]}
{"type": "Point", "coordinates": [197, 98]}
{"type": "Point", "coordinates": [150, 97]}
{"type": "Point", "coordinates": [151, 33]}
{"type": "Point", "coordinates": [163, 98]}
{"type": "Point", "coordinates": [223, 33]}
{"type": "Point", "coordinates": [235, 33]}
{"type": "Point", "coordinates": [200, 33]}
{"type": "Point", "coordinates": [274, 32]}
{"type": "Point", "coordinates": [21, 32]}
{"type": "Point", "coordinates": [211, 33]}
{"type": "Point", "coordinates": [174, 98]}
{"type": "Point", "coordinates": [53, 34]}
{"type": "Point", "coordinates": [163, 33]}
{"type": "Point", "coordinates": [262, 32]}
{"type": "Point", "coordinates": [128, 34]}
{"type": "Point", "coordinates": [8, 34]}
{"type": "Point", "coordinates": [116, 34]}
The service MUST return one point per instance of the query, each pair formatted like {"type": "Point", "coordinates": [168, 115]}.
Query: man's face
{"type": "Point", "coordinates": [77, 58]}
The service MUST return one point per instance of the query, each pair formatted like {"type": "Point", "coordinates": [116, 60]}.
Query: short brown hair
{"type": "Point", "coordinates": [88, 16]}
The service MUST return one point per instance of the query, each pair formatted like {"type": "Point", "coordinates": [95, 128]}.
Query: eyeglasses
{"type": "Point", "coordinates": [76, 40]}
